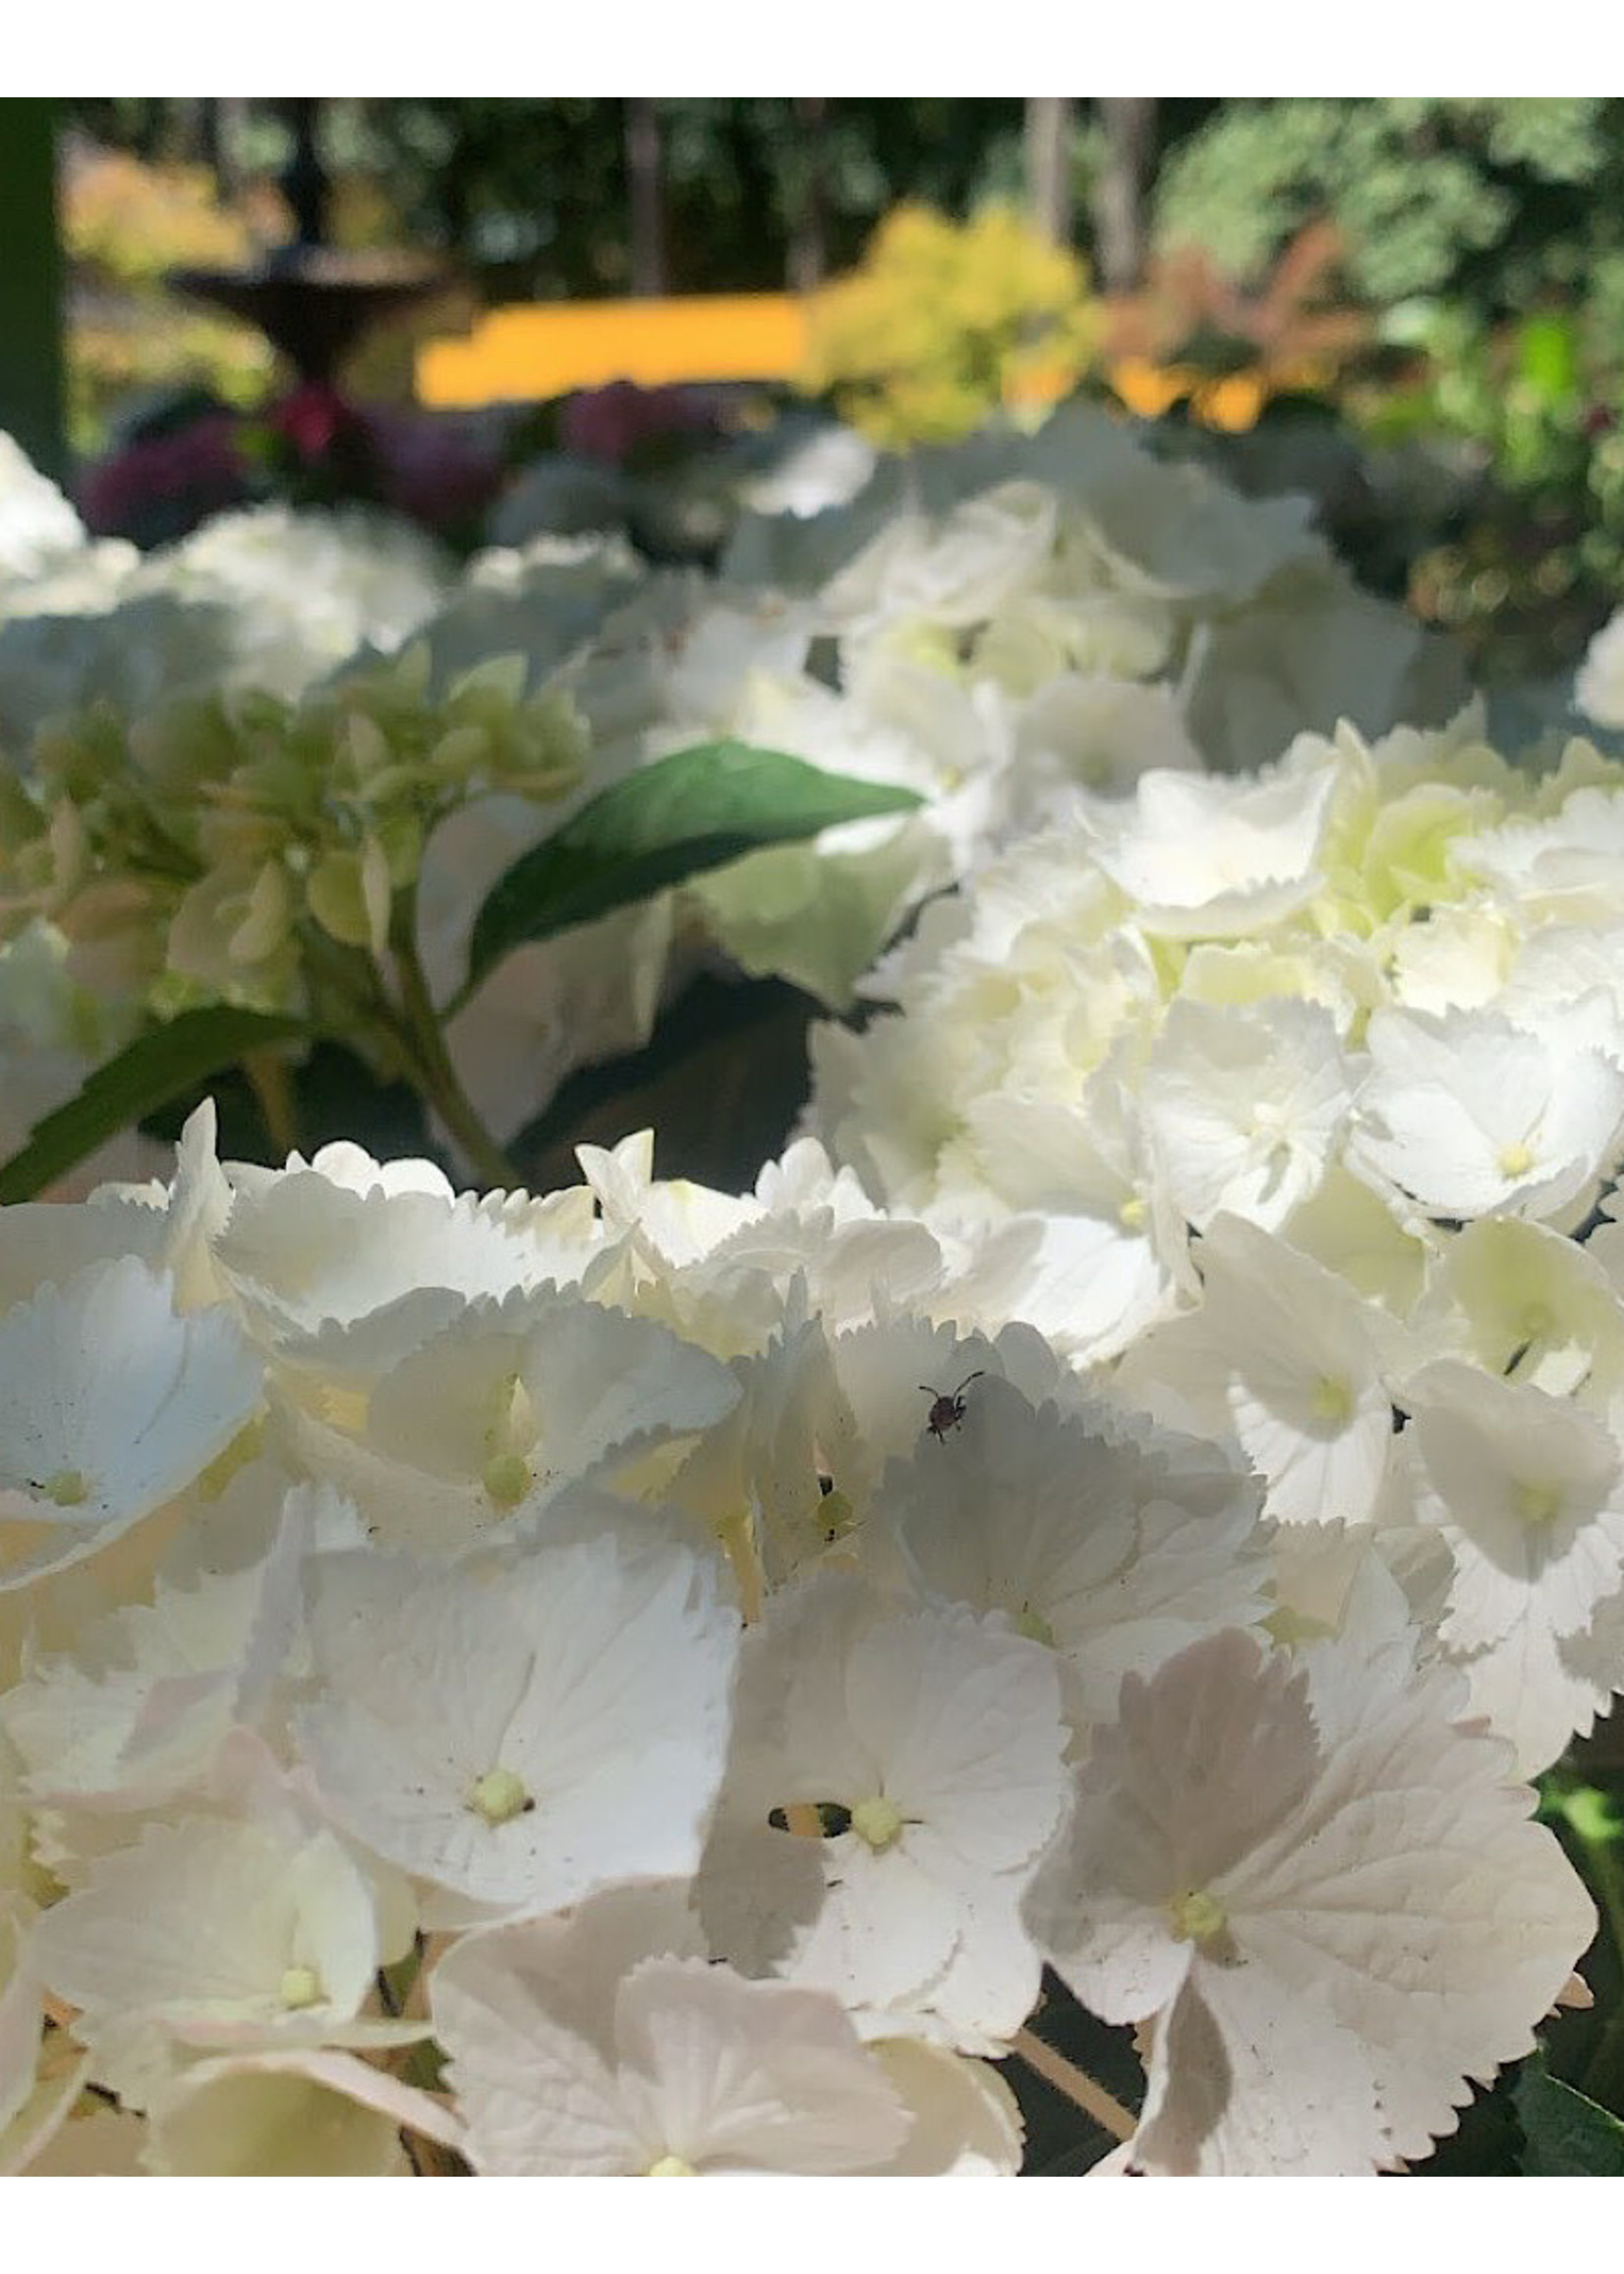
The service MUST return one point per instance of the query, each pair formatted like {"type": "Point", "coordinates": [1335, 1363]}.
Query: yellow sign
{"type": "Point", "coordinates": [529, 354]}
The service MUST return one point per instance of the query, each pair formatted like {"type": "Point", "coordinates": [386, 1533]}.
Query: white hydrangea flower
{"type": "Point", "coordinates": [727, 1271]}
{"type": "Point", "coordinates": [519, 1734]}
{"type": "Point", "coordinates": [1113, 1544]}
{"type": "Point", "coordinates": [310, 588]}
{"type": "Point", "coordinates": [37, 525]}
{"type": "Point", "coordinates": [477, 1422]}
{"type": "Point", "coordinates": [1527, 1490]}
{"type": "Point", "coordinates": [110, 1405]}
{"type": "Point", "coordinates": [1310, 650]}
{"type": "Point", "coordinates": [1245, 1109]}
{"type": "Point", "coordinates": [605, 2043]}
{"type": "Point", "coordinates": [1094, 733]}
{"type": "Point", "coordinates": [760, 1478]}
{"type": "Point", "coordinates": [1286, 1354]}
{"type": "Point", "coordinates": [1559, 866]}
{"type": "Point", "coordinates": [135, 1713]}
{"type": "Point", "coordinates": [299, 2113]}
{"type": "Point", "coordinates": [1323, 1894]}
{"type": "Point", "coordinates": [1599, 683]}
{"type": "Point", "coordinates": [1462, 959]}
{"type": "Point", "coordinates": [939, 1738]}
{"type": "Point", "coordinates": [985, 550]}
{"type": "Point", "coordinates": [1179, 530]}
{"type": "Point", "coordinates": [341, 1237]}
{"type": "Point", "coordinates": [967, 2122]}
{"type": "Point", "coordinates": [213, 1933]}
{"type": "Point", "coordinates": [1202, 857]}
{"type": "Point", "coordinates": [1464, 1114]}
{"type": "Point", "coordinates": [1523, 1302]}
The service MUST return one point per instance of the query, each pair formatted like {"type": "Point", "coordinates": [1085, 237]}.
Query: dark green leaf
{"type": "Point", "coordinates": [335, 1094]}
{"type": "Point", "coordinates": [1485, 2145]}
{"type": "Point", "coordinates": [693, 811]}
{"type": "Point", "coordinates": [160, 1066]}
{"type": "Point", "coordinates": [721, 1080]}
{"type": "Point", "coordinates": [1567, 2136]}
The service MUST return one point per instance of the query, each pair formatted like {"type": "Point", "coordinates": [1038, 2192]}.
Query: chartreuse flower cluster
{"type": "Point", "coordinates": [218, 846]}
{"type": "Point", "coordinates": [241, 849]}
{"type": "Point", "coordinates": [637, 1681]}
{"type": "Point", "coordinates": [945, 322]}
{"type": "Point", "coordinates": [1301, 1096]}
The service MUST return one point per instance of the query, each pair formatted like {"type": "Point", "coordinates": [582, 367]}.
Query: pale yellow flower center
{"type": "Point", "coordinates": [506, 1477]}
{"type": "Point", "coordinates": [1516, 1160]}
{"type": "Point", "coordinates": [1332, 1401]}
{"type": "Point", "coordinates": [878, 1821]}
{"type": "Point", "coordinates": [1538, 1504]}
{"type": "Point", "coordinates": [673, 2168]}
{"type": "Point", "coordinates": [1034, 1626]}
{"type": "Point", "coordinates": [68, 1488]}
{"type": "Point", "coordinates": [1198, 1917]}
{"type": "Point", "coordinates": [498, 1796]}
{"type": "Point", "coordinates": [301, 1987]}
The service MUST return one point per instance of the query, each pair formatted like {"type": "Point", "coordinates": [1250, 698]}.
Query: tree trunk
{"type": "Point", "coordinates": [648, 203]}
{"type": "Point", "coordinates": [1128, 121]}
{"type": "Point", "coordinates": [223, 137]}
{"type": "Point", "coordinates": [30, 285]}
{"type": "Point", "coordinates": [304, 179]}
{"type": "Point", "coordinates": [808, 262]}
{"type": "Point", "coordinates": [1049, 164]}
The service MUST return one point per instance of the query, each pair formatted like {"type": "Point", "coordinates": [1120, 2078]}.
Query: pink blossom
{"type": "Point", "coordinates": [313, 417]}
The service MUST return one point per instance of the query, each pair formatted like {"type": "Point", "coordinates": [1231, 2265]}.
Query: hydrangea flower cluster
{"type": "Point", "coordinates": [265, 597]}
{"type": "Point", "coordinates": [220, 849]}
{"type": "Point", "coordinates": [1307, 1089]}
{"type": "Point", "coordinates": [637, 1681]}
{"type": "Point", "coordinates": [646, 1679]}
{"type": "Point", "coordinates": [999, 628]}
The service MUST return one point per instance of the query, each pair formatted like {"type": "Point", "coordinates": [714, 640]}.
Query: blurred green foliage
{"type": "Point", "coordinates": [1488, 236]}
{"type": "Point", "coordinates": [1489, 199]}
{"type": "Point", "coordinates": [1533, 404]}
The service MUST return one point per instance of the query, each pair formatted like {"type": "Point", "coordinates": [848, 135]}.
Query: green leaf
{"type": "Point", "coordinates": [1487, 2144]}
{"type": "Point", "coordinates": [721, 1080]}
{"type": "Point", "coordinates": [1568, 2135]}
{"type": "Point", "coordinates": [153, 1068]}
{"type": "Point", "coordinates": [693, 811]}
{"type": "Point", "coordinates": [1547, 359]}
{"type": "Point", "coordinates": [335, 1095]}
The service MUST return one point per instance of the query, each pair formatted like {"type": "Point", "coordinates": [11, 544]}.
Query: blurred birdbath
{"type": "Point", "coordinates": [314, 303]}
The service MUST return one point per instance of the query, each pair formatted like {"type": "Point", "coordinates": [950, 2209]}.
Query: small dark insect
{"type": "Point", "coordinates": [948, 1409]}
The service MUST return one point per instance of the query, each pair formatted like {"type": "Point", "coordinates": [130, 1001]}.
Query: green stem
{"type": "Point", "coordinates": [431, 1071]}
{"type": "Point", "coordinates": [272, 1087]}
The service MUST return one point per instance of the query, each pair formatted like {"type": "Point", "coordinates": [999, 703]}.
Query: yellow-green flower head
{"type": "Point", "coordinates": [231, 835]}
